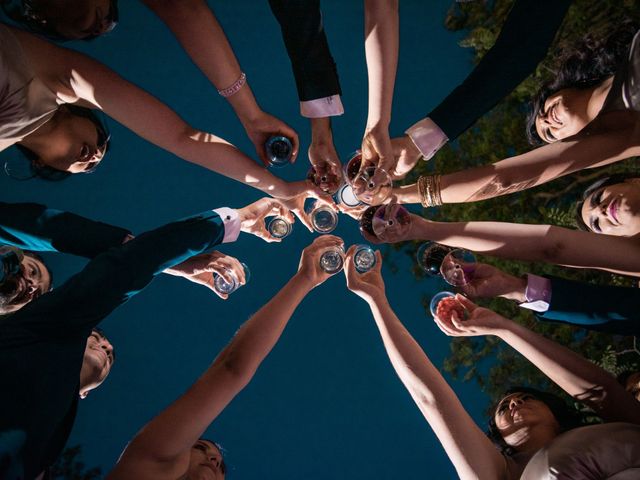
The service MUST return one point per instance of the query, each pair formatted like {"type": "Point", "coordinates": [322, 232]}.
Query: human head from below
{"type": "Point", "coordinates": [630, 380]}
{"type": "Point", "coordinates": [526, 418]}
{"type": "Point", "coordinates": [30, 280]}
{"type": "Point", "coordinates": [206, 461]}
{"type": "Point", "coordinates": [99, 356]}
{"type": "Point", "coordinates": [74, 140]}
{"type": "Point", "coordinates": [574, 97]}
{"type": "Point", "coordinates": [64, 19]}
{"type": "Point", "coordinates": [611, 206]}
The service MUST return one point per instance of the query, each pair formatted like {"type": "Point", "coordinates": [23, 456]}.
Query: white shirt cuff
{"type": "Point", "coordinates": [322, 107]}
{"type": "Point", "coordinates": [231, 221]}
{"type": "Point", "coordinates": [537, 293]}
{"type": "Point", "coordinates": [427, 136]}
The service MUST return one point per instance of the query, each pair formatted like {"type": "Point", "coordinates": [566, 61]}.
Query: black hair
{"type": "Point", "coordinates": [586, 64]}
{"type": "Point", "coordinates": [223, 465]}
{"type": "Point", "coordinates": [45, 172]}
{"type": "Point", "coordinates": [566, 416]}
{"type": "Point", "coordinates": [29, 253]}
{"type": "Point", "coordinates": [624, 376]}
{"type": "Point", "coordinates": [600, 183]}
{"type": "Point", "coordinates": [27, 14]}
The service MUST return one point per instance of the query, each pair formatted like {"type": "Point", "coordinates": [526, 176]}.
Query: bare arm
{"type": "Point", "coordinates": [76, 77]}
{"type": "Point", "coordinates": [381, 48]}
{"type": "Point", "coordinates": [161, 449]}
{"type": "Point", "coordinates": [470, 451]}
{"type": "Point", "coordinates": [542, 243]}
{"type": "Point", "coordinates": [605, 143]}
{"type": "Point", "coordinates": [576, 375]}
{"type": "Point", "coordinates": [198, 31]}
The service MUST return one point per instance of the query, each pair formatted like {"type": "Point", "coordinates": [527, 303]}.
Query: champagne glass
{"type": "Point", "coordinates": [391, 222]}
{"type": "Point", "coordinates": [364, 258]}
{"type": "Point", "coordinates": [458, 267]}
{"type": "Point", "coordinates": [222, 286]}
{"type": "Point", "coordinates": [279, 227]}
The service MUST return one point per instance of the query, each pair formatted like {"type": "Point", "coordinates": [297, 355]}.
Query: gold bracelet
{"type": "Point", "coordinates": [429, 190]}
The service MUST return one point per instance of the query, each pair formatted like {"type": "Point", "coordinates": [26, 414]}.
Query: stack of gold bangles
{"type": "Point", "coordinates": [429, 188]}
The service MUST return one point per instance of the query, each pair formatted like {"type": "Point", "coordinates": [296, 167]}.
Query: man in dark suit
{"type": "Point", "coordinates": [523, 42]}
{"type": "Point", "coordinates": [316, 77]}
{"type": "Point", "coordinates": [595, 307]}
{"type": "Point", "coordinates": [43, 338]}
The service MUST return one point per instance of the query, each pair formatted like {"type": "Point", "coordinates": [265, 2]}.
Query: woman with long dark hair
{"type": "Point", "coordinates": [534, 432]}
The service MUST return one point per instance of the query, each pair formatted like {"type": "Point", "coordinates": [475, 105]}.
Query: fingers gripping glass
{"type": "Point", "coordinates": [22, 164]}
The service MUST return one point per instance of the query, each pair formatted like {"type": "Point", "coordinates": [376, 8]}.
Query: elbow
{"type": "Point", "coordinates": [236, 369]}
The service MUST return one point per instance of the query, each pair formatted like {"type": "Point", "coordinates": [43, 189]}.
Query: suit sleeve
{"type": "Point", "coordinates": [523, 42]}
{"type": "Point", "coordinates": [303, 33]}
{"type": "Point", "coordinates": [113, 277]}
{"type": "Point", "coordinates": [31, 226]}
{"type": "Point", "coordinates": [602, 308]}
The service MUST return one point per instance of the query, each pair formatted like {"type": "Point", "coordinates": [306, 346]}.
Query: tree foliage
{"type": "Point", "coordinates": [71, 467]}
{"type": "Point", "coordinates": [500, 134]}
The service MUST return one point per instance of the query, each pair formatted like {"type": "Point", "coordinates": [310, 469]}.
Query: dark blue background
{"type": "Point", "coordinates": [326, 402]}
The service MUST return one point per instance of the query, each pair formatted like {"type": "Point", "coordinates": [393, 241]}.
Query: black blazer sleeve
{"type": "Point", "coordinates": [523, 42]}
{"type": "Point", "coordinates": [31, 226]}
{"type": "Point", "coordinates": [602, 308]}
{"type": "Point", "coordinates": [303, 33]}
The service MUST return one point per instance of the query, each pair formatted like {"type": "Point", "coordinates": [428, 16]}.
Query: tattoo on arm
{"type": "Point", "coordinates": [497, 187]}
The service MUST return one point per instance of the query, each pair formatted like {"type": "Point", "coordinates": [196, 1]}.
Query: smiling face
{"type": "Point", "coordinates": [614, 209]}
{"type": "Point", "coordinates": [32, 281]}
{"type": "Point", "coordinates": [71, 143]}
{"type": "Point", "coordinates": [565, 113]}
{"type": "Point", "coordinates": [97, 362]}
{"type": "Point", "coordinates": [518, 413]}
{"type": "Point", "coordinates": [206, 462]}
{"type": "Point", "coordinates": [76, 19]}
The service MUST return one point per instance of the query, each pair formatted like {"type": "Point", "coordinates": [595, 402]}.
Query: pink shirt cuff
{"type": "Point", "coordinates": [427, 136]}
{"type": "Point", "coordinates": [537, 293]}
{"type": "Point", "coordinates": [322, 107]}
{"type": "Point", "coordinates": [231, 221]}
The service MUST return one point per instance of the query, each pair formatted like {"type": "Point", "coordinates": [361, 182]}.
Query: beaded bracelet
{"type": "Point", "coordinates": [235, 87]}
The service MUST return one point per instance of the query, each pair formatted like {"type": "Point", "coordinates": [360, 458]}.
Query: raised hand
{"type": "Point", "coordinates": [262, 126]}
{"type": "Point", "coordinates": [303, 190]}
{"type": "Point", "coordinates": [309, 267]}
{"type": "Point", "coordinates": [201, 268]}
{"type": "Point", "coordinates": [480, 321]}
{"type": "Point", "coordinates": [369, 285]}
{"type": "Point", "coordinates": [253, 217]}
{"type": "Point", "coordinates": [489, 281]}
{"type": "Point", "coordinates": [405, 154]}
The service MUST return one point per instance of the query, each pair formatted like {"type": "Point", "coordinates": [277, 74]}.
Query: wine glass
{"type": "Point", "coordinates": [222, 286]}
{"type": "Point", "coordinates": [346, 197]}
{"type": "Point", "coordinates": [370, 185]}
{"type": "Point", "coordinates": [328, 182]}
{"type": "Point", "coordinates": [324, 219]}
{"type": "Point", "coordinates": [279, 227]}
{"type": "Point", "coordinates": [458, 267]}
{"type": "Point", "coordinates": [430, 256]}
{"type": "Point", "coordinates": [364, 258]}
{"type": "Point", "coordinates": [391, 222]}
{"type": "Point", "coordinates": [332, 260]}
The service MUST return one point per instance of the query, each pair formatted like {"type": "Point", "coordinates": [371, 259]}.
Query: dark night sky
{"type": "Point", "coordinates": [326, 402]}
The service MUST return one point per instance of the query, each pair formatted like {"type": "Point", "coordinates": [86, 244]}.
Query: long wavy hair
{"type": "Point", "coordinates": [584, 65]}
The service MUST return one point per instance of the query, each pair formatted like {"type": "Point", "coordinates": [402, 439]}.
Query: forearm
{"type": "Point", "coordinates": [543, 243]}
{"type": "Point", "coordinates": [381, 48]}
{"type": "Point", "coordinates": [176, 429]}
{"type": "Point", "coordinates": [577, 376]}
{"type": "Point", "coordinates": [321, 131]}
{"type": "Point", "coordinates": [196, 28]}
{"type": "Point", "coordinates": [469, 450]}
{"type": "Point", "coordinates": [31, 226]}
{"type": "Point", "coordinates": [538, 166]}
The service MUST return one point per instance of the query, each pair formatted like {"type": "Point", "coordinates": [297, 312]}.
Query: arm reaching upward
{"type": "Point", "coordinates": [161, 450]}
{"type": "Point", "coordinates": [470, 451]}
